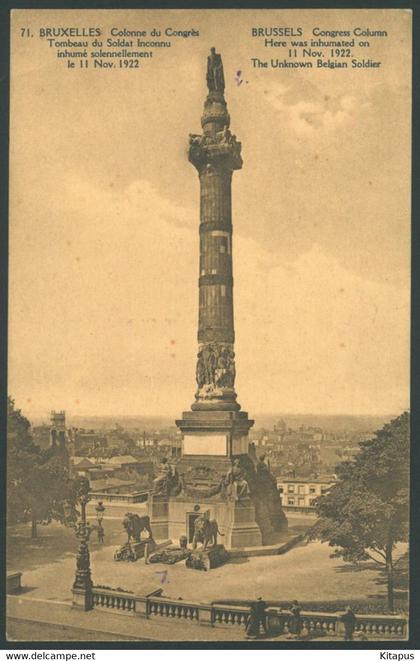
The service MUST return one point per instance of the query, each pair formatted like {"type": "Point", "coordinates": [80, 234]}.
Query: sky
{"type": "Point", "coordinates": [104, 214]}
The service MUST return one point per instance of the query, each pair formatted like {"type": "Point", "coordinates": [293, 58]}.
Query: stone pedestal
{"type": "Point", "coordinates": [205, 615]}
{"type": "Point", "coordinates": [158, 510]}
{"type": "Point", "coordinates": [235, 519]}
{"type": "Point", "coordinates": [212, 440]}
{"type": "Point", "coordinates": [242, 530]}
{"type": "Point", "coordinates": [82, 586]}
{"type": "Point", "coordinates": [215, 464]}
{"type": "Point", "coordinates": [209, 558]}
{"type": "Point", "coordinates": [213, 436]}
{"type": "Point", "coordinates": [13, 582]}
{"type": "Point", "coordinates": [82, 599]}
{"type": "Point", "coordinates": [134, 550]}
{"type": "Point", "coordinates": [141, 609]}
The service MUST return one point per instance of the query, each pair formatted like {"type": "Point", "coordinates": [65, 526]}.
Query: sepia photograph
{"type": "Point", "coordinates": [208, 425]}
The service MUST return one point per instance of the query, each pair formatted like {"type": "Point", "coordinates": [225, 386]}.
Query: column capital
{"type": "Point", "coordinates": [213, 153]}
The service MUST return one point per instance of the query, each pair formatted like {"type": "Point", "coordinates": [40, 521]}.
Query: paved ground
{"type": "Point", "coordinates": [25, 630]}
{"type": "Point", "coordinates": [42, 611]}
{"type": "Point", "coordinates": [306, 572]}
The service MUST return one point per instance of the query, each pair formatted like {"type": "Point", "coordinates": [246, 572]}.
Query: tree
{"type": "Point", "coordinates": [38, 481]}
{"type": "Point", "coordinates": [365, 514]}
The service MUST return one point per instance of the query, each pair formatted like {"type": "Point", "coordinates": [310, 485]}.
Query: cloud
{"type": "Point", "coordinates": [316, 112]}
{"type": "Point", "coordinates": [104, 262]}
{"type": "Point", "coordinates": [114, 320]}
{"type": "Point", "coordinates": [324, 338]}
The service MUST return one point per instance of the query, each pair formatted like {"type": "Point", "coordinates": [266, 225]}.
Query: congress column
{"type": "Point", "coordinates": [215, 428]}
{"type": "Point", "coordinates": [215, 154]}
{"type": "Point", "coordinates": [215, 478]}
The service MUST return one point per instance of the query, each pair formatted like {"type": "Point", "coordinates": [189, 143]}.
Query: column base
{"type": "Point", "coordinates": [222, 433]}
{"type": "Point", "coordinates": [212, 398]}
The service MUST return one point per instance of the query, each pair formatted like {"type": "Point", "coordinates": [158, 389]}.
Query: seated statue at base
{"type": "Point", "coordinates": [236, 482]}
{"type": "Point", "coordinates": [167, 481]}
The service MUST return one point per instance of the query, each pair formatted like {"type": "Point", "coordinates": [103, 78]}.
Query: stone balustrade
{"type": "Point", "coordinates": [159, 606]}
{"type": "Point", "coordinates": [135, 497]}
{"type": "Point", "coordinates": [118, 601]}
{"type": "Point", "coordinates": [314, 624]}
{"type": "Point", "coordinates": [382, 626]}
{"type": "Point", "coordinates": [329, 624]}
{"type": "Point", "coordinates": [230, 614]}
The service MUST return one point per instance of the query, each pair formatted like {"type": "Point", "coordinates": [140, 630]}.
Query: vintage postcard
{"type": "Point", "coordinates": [209, 314]}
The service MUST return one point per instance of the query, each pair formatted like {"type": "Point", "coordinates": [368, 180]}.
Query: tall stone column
{"type": "Point", "coordinates": [216, 477]}
{"type": "Point", "coordinates": [215, 153]}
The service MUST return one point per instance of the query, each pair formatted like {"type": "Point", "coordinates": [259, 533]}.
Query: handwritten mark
{"type": "Point", "coordinates": [163, 576]}
{"type": "Point", "coordinates": [238, 78]}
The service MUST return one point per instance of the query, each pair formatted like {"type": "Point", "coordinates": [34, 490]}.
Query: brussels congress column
{"type": "Point", "coordinates": [216, 476]}
{"type": "Point", "coordinates": [215, 428]}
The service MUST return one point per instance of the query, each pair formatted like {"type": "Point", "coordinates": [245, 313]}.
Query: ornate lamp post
{"type": "Point", "coordinates": [82, 586]}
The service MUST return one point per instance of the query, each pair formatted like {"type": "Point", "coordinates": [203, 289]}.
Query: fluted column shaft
{"type": "Point", "coordinates": [215, 318]}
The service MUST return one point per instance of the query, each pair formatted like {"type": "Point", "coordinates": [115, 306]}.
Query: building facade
{"type": "Point", "coordinates": [299, 494]}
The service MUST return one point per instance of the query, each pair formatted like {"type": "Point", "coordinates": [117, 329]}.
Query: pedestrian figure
{"type": "Point", "coordinates": [146, 553]}
{"type": "Point", "coordinates": [257, 618]}
{"type": "Point", "coordinates": [295, 621]}
{"type": "Point", "coordinates": [349, 621]}
{"type": "Point", "coordinates": [101, 535]}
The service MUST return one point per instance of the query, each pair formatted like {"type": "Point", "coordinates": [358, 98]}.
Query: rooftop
{"type": "Point", "coordinates": [111, 483]}
{"type": "Point", "coordinates": [126, 459]}
{"type": "Point", "coordinates": [84, 463]}
{"type": "Point", "coordinates": [321, 479]}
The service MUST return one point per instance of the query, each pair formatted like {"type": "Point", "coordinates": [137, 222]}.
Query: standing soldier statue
{"type": "Point", "coordinates": [215, 77]}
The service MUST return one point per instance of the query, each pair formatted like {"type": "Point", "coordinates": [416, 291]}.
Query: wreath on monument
{"type": "Point", "coordinates": [212, 484]}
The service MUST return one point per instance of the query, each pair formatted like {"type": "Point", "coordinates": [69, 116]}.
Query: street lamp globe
{"type": "Point", "coordinates": [100, 509]}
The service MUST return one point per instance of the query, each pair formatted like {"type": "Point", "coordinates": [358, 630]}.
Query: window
{"type": "Point", "coordinates": [223, 290]}
{"type": "Point", "coordinates": [222, 248]}
{"type": "Point", "coordinates": [301, 488]}
{"type": "Point", "coordinates": [291, 488]}
{"type": "Point", "coordinates": [312, 489]}
{"type": "Point", "coordinates": [312, 502]}
{"type": "Point", "coordinates": [290, 501]}
{"type": "Point", "coordinates": [213, 271]}
{"type": "Point", "coordinates": [301, 502]}
{"type": "Point", "coordinates": [203, 271]}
